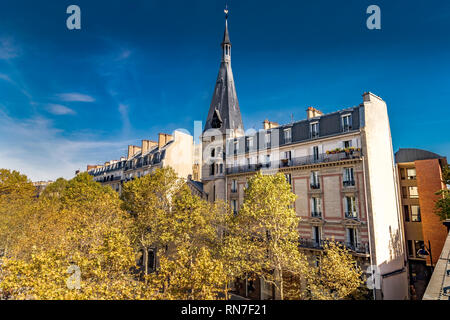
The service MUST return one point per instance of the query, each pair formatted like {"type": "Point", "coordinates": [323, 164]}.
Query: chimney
{"type": "Point", "coordinates": [269, 124]}
{"type": "Point", "coordinates": [313, 112]}
{"type": "Point", "coordinates": [122, 158]}
{"type": "Point", "coordinates": [163, 138]}
{"type": "Point", "coordinates": [132, 150]}
{"type": "Point", "coordinates": [147, 145]}
{"type": "Point", "coordinates": [107, 163]}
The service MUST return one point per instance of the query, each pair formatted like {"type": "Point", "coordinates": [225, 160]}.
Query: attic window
{"type": "Point", "coordinates": [216, 121]}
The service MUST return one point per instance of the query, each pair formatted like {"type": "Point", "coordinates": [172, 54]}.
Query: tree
{"type": "Point", "coordinates": [265, 231]}
{"type": "Point", "coordinates": [84, 228]}
{"type": "Point", "coordinates": [442, 206]}
{"type": "Point", "coordinates": [17, 195]}
{"type": "Point", "coordinates": [336, 277]}
{"type": "Point", "coordinates": [183, 228]}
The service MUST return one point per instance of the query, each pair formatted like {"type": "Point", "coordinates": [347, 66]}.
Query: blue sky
{"type": "Point", "coordinates": [136, 68]}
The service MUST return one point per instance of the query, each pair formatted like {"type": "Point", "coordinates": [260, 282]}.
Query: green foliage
{"type": "Point", "coordinates": [442, 206]}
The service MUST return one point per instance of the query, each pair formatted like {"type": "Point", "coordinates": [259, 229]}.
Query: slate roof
{"type": "Point", "coordinates": [411, 155]}
{"type": "Point", "coordinates": [224, 98]}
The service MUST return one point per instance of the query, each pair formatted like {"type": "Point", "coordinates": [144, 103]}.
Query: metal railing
{"type": "Point", "coordinates": [316, 214]}
{"type": "Point", "coordinates": [351, 215]}
{"type": "Point", "coordinates": [298, 161]}
{"type": "Point", "coordinates": [319, 244]}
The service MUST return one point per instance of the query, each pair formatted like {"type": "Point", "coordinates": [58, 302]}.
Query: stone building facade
{"type": "Point", "coordinates": [340, 165]}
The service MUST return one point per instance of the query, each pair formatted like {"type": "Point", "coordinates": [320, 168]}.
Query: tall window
{"type": "Point", "coordinates": [249, 141]}
{"type": "Point", "coordinates": [316, 235]}
{"type": "Point", "coordinates": [351, 237]}
{"type": "Point", "coordinates": [316, 207]}
{"type": "Point", "coordinates": [288, 177]}
{"type": "Point", "coordinates": [411, 173]}
{"type": "Point", "coordinates": [350, 207]}
{"type": "Point", "coordinates": [314, 183]}
{"type": "Point", "coordinates": [267, 162]}
{"type": "Point", "coordinates": [314, 130]}
{"type": "Point", "coordinates": [287, 135]}
{"type": "Point", "coordinates": [347, 122]}
{"type": "Point", "coordinates": [248, 163]}
{"type": "Point", "coordinates": [315, 153]}
{"type": "Point", "coordinates": [415, 214]}
{"type": "Point", "coordinates": [267, 139]}
{"type": "Point", "coordinates": [413, 192]}
{"type": "Point", "coordinates": [348, 179]}
{"type": "Point", "coordinates": [236, 147]}
{"type": "Point", "coordinates": [234, 185]}
{"type": "Point", "coordinates": [347, 144]}
{"type": "Point", "coordinates": [234, 206]}
{"type": "Point", "coordinates": [406, 213]}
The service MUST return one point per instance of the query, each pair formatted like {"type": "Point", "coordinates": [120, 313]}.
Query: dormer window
{"type": "Point", "coordinates": [346, 122]}
{"type": "Point", "coordinates": [287, 135]}
{"type": "Point", "coordinates": [314, 130]}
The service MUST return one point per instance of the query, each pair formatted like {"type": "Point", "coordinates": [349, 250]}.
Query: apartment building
{"type": "Point", "coordinates": [340, 165]}
{"type": "Point", "coordinates": [420, 176]}
{"type": "Point", "coordinates": [175, 151]}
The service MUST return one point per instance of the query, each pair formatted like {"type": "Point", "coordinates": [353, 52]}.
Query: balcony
{"type": "Point", "coordinates": [348, 183]}
{"type": "Point", "coordinates": [351, 215]}
{"type": "Point", "coordinates": [316, 214]}
{"type": "Point", "coordinates": [362, 248]}
{"type": "Point", "coordinates": [298, 161]}
{"type": "Point", "coordinates": [315, 186]}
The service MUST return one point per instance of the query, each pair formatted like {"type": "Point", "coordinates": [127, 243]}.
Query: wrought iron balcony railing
{"type": "Point", "coordinates": [298, 161]}
{"type": "Point", "coordinates": [319, 244]}
{"type": "Point", "coordinates": [316, 214]}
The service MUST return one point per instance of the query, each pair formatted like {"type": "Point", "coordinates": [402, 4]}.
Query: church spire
{"type": "Point", "coordinates": [226, 44]}
{"type": "Point", "coordinates": [224, 112]}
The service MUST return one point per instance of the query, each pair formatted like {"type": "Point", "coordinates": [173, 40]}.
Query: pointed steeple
{"type": "Point", "coordinates": [224, 112]}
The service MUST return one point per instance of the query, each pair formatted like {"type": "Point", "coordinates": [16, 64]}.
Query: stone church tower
{"type": "Point", "coordinates": [224, 121]}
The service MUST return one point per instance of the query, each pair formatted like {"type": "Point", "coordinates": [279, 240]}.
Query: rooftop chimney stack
{"type": "Point", "coordinates": [269, 124]}
{"type": "Point", "coordinates": [148, 145]}
{"type": "Point", "coordinates": [163, 139]}
{"type": "Point", "coordinates": [132, 150]}
{"type": "Point", "coordinates": [312, 112]}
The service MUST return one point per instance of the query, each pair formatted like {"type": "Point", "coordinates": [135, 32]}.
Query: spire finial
{"type": "Point", "coordinates": [226, 11]}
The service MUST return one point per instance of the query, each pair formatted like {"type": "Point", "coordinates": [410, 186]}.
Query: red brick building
{"type": "Point", "coordinates": [420, 176]}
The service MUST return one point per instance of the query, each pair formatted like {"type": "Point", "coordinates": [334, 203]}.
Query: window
{"type": "Point", "coordinates": [413, 192]}
{"type": "Point", "coordinates": [402, 173]}
{"type": "Point", "coordinates": [288, 177]}
{"type": "Point", "coordinates": [347, 122]}
{"type": "Point", "coordinates": [221, 168]}
{"type": "Point", "coordinates": [350, 207]}
{"type": "Point", "coordinates": [267, 139]}
{"type": "Point", "coordinates": [418, 244]}
{"type": "Point", "coordinates": [351, 237]}
{"type": "Point", "coordinates": [248, 163]}
{"type": "Point", "coordinates": [314, 183]}
{"type": "Point", "coordinates": [211, 170]}
{"type": "Point", "coordinates": [315, 153]}
{"type": "Point", "coordinates": [234, 185]}
{"type": "Point", "coordinates": [406, 213]}
{"type": "Point", "coordinates": [316, 235]}
{"type": "Point", "coordinates": [410, 248]}
{"type": "Point", "coordinates": [267, 160]}
{"type": "Point", "coordinates": [347, 144]}
{"type": "Point", "coordinates": [314, 130]}
{"type": "Point", "coordinates": [234, 206]}
{"type": "Point", "coordinates": [286, 159]}
{"type": "Point", "coordinates": [249, 141]}
{"type": "Point", "coordinates": [316, 207]}
{"type": "Point", "coordinates": [349, 179]}
{"type": "Point", "coordinates": [404, 193]}
{"type": "Point", "coordinates": [236, 147]}
{"type": "Point", "coordinates": [411, 173]}
{"type": "Point", "coordinates": [415, 214]}
{"type": "Point", "coordinates": [287, 135]}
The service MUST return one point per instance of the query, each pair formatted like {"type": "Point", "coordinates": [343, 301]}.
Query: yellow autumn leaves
{"type": "Point", "coordinates": [200, 247]}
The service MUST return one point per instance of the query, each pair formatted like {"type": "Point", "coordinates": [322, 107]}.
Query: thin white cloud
{"type": "Point", "coordinates": [59, 109]}
{"type": "Point", "coordinates": [75, 97]}
{"type": "Point", "coordinates": [34, 147]}
{"type": "Point", "coordinates": [126, 125]}
{"type": "Point", "coordinates": [8, 49]}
